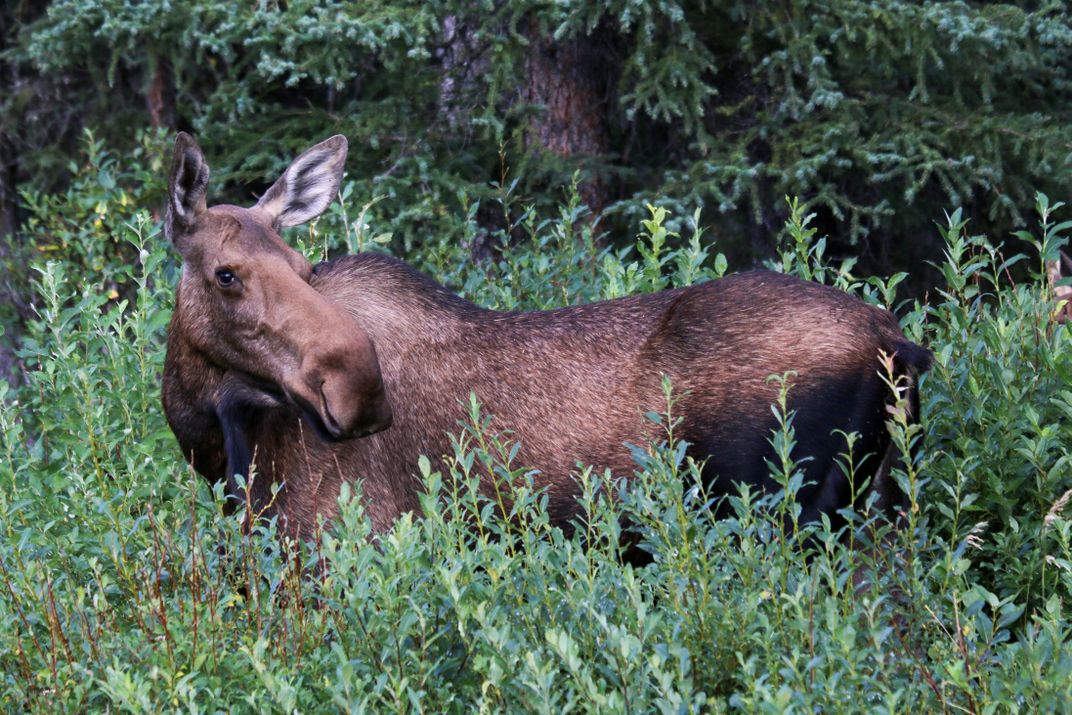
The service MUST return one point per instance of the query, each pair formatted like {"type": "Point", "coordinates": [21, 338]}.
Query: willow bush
{"type": "Point", "coordinates": [123, 587]}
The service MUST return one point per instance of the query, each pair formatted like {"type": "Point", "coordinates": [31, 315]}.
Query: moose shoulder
{"type": "Point", "coordinates": [354, 368]}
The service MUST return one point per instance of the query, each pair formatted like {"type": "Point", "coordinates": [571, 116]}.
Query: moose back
{"type": "Point", "coordinates": [352, 369]}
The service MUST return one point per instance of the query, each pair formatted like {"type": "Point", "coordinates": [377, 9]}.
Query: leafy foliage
{"type": "Point", "coordinates": [123, 587]}
{"type": "Point", "coordinates": [878, 114]}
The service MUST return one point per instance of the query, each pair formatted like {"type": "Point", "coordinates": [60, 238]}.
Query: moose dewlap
{"type": "Point", "coordinates": [352, 369]}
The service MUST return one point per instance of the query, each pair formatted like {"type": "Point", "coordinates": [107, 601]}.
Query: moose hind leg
{"type": "Point", "coordinates": [839, 466]}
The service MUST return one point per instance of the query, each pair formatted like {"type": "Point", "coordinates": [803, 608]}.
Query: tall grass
{"type": "Point", "coordinates": [124, 587]}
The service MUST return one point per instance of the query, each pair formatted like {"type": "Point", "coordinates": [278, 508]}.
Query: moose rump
{"type": "Point", "coordinates": [721, 348]}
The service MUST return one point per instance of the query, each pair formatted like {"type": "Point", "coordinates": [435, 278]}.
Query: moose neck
{"type": "Point", "coordinates": [191, 385]}
{"type": "Point", "coordinates": [185, 362]}
{"type": "Point", "coordinates": [399, 307]}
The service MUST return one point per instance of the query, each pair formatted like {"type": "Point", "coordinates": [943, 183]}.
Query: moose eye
{"type": "Point", "coordinates": [226, 277]}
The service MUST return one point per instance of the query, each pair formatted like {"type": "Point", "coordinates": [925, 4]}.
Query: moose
{"type": "Point", "coordinates": [305, 377]}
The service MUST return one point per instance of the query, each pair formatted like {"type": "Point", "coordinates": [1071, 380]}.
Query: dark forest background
{"type": "Point", "coordinates": [879, 115]}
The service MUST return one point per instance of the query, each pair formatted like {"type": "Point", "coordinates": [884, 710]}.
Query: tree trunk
{"type": "Point", "coordinates": [464, 63]}
{"type": "Point", "coordinates": [568, 81]}
{"type": "Point", "coordinates": [9, 321]}
{"type": "Point", "coordinates": [160, 98]}
{"type": "Point", "coordinates": [8, 194]}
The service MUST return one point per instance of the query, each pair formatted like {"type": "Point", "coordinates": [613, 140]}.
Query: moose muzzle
{"type": "Point", "coordinates": [338, 387]}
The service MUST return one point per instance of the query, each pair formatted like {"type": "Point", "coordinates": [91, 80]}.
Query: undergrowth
{"type": "Point", "coordinates": [123, 587]}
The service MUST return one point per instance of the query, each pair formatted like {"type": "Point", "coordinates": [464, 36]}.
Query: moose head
{"type": "Point", "coordinates": [247, 305]}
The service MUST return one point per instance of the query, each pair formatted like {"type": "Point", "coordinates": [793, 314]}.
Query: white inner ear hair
{"type": "Point", "coordinates": [310, 186]}
{"type": "Point", "coordinates": [178, 197]}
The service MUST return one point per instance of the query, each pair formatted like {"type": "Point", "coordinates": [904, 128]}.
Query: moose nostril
{"type": "Point", "coordinates": [329, 419]}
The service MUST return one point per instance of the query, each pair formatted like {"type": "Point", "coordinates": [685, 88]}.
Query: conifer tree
{"type": "Point", "coordinates": [878, 115]}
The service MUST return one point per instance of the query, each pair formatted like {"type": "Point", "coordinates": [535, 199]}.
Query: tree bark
{"type": "Point", "coordinates": [8, 193]}
{"type": "Point", "coordinates": [160, 98]}
{"type": "Point", "coordinates": [464, 62]}
{"type": "Point", "coordinates": [9, 294]}
{"type": "Point", "coordinates": [568, 80]}
{"type": "Point", "coordinates": [8, 209]}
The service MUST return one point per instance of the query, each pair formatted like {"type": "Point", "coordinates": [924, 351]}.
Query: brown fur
{"type": "Point", "coordinates": [571, 384]}
{"type": "Point", "coordinates": [1061, 293]}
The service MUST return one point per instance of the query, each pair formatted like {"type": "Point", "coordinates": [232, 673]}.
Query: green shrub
{"type": "Point", "coordinates": [123, 587]}
{"type": "Point", "coordinates": [879, 113]}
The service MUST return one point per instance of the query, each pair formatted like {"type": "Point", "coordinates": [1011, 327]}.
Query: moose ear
{"type": "Point", "coordinates": [187, 187]}
{"type": "Point", "coordinates": [308, 186]}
